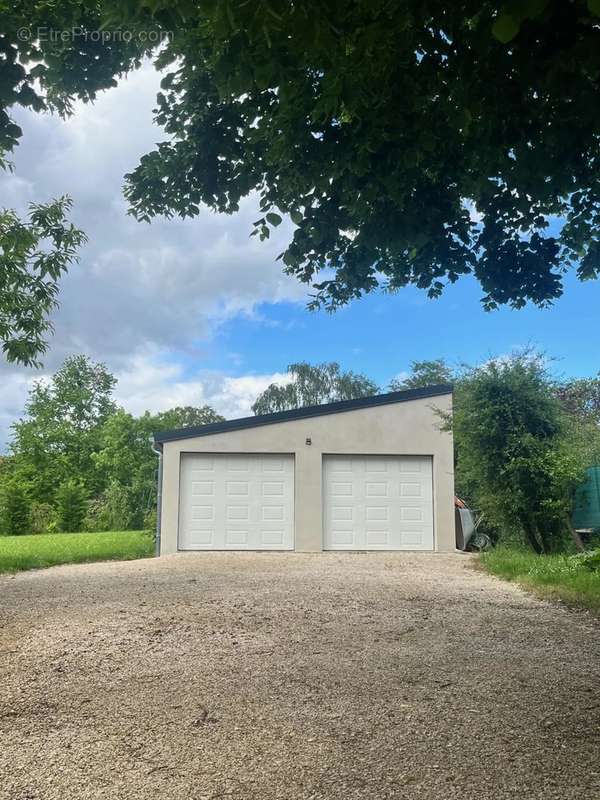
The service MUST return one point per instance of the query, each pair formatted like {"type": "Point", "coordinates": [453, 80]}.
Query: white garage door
{"type": "Point", "coordinates": [378, 502]}
{"type": "Point", "coordinates": [236, 502]}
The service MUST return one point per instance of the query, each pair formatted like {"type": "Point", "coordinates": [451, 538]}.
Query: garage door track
{"type": "Point", "coordinates": [333, 676]}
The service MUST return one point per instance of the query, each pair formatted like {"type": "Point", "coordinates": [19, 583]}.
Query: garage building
{"type": "Point", "coordinates": [374, 473]}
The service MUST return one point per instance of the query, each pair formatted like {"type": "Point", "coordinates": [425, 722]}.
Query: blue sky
{"type": "Point", "coordinates": [193, 312]}
{"type": "Point", "coordinates": [382, 334]}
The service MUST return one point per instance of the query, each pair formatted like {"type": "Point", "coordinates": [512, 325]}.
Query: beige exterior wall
{"type": "Point", "coordinates": [407, 428]}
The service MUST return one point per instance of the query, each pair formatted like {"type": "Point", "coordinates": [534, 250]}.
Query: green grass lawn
{"type": "Point", "coordinates": [558, 577]}
{"type": "Point", "coordinates": [46, 550]}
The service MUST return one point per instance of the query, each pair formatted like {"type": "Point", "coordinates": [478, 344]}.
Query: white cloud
{"type": "Point", "coordinates": [149, 384]}
{"type": "Point", "coordinates": [236, 396]}
{"type": "Point", "coordinates": [137, 285]}
{"type": "Point", "coordinates": [139, 289]}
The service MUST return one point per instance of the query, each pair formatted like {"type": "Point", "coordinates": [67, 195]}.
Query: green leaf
{"type": "Point", "coordinates": [274, 219]}
{"type": "Point", "coordinates": [296, 217]}
{"type": "Point", "coordinates": [505, 28]}
{"type": "Point", "coordinates": [594, 7]}
{"type": "Point", "coordinates": [531, 9]}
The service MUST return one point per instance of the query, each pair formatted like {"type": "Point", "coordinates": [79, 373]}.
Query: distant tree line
{"type": "Point", "coordinates": [523, 440]}
{"type": "Point", "coordinates": [78, 462]}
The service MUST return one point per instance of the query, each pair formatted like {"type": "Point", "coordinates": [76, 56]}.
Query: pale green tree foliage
{"type": "Point", "coordinates": [311, 385]}
{"type": "Point", "coordinates": [424, 373]}
{"type": "Point", "coordinates": [61, 430]}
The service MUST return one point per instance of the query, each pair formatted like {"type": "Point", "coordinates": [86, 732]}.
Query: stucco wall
{"type": "Point", "coordinates": [407, 428]}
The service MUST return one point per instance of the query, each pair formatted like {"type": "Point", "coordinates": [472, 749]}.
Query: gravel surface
{"type": "Point", "coordinates": [338, 676]}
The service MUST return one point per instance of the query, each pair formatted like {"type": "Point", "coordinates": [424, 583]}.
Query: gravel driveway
{"type": "Point", "coordinates": [335, 676]}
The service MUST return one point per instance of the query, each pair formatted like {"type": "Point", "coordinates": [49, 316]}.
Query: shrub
{"type": "Point", "coordinates": [589, 560]}
{"type": "Point", "coordinates": [71, 503]}
{"type": "Point", "coordinates": [519, 456]}
{"type": "Point", "coordinates": [113, 511]}
{"type": "Point", "coordinates": [15, 509]}
{"type": "Point", "coordinates": [118, 507]}
{"type": "Point", "coordinates": [150, 521]}
{"type": "Point", "coordinates": [95, 516]}
{"type": "Point", "coordinates": [43, 518]}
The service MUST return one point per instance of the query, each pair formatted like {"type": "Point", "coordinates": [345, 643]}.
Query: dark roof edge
{"type": "Point", "coordinates": [304, 413]}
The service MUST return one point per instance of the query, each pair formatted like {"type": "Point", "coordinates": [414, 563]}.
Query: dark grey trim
{"type": "Point", "coordinates": [304, 413]}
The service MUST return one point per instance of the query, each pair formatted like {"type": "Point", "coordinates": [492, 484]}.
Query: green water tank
{"type": "Point", "coordinates": [586, 513]}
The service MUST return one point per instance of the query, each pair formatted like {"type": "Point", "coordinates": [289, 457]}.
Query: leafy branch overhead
{"type": "Point", "coordinates": [33, 256]}
{"type": "Point", "coordinates": [409, 142]}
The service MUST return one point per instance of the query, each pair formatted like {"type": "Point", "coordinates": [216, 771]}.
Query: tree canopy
{"type": "Point", "coordinates": [410, 142]}
{"type": "Point", "coordinates": [312, 385]}
{"type": "Point", "coordinates": [424, 373]}
{"type": "Point", "coordinates": [61, 429]}
{"type": "Point", "coordinates": [125, 455]}
{"type": "Point", "coordinates": [581, 397]}
{"type": "Point", "coordinates": [75, 454]}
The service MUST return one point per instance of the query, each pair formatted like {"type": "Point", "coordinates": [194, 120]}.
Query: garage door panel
{"type": "Point", "coordinates": [273, 489]}
{"type": "Point", "coordinates": [201, 538]}
{"type": "Point", "coordinates": [204, 513]}
{"type": "Point", "coordinates": [376, 465]}
{"type": "Point", "coordinates": [342, 538]}
{"type": "Point", "coordinates": [377, 489]}
{"type": "Point", "coordinates": [236, 539]}
{"type": "Point", "coordinates": [378, 538]}
{"type": "Point", "coordinates": [236, 513]}
{"type": "Point", "coordinates": [412, 539]}
{"type": "Point", "coordinates": [272, 465]}
{"type": "Point", "coordinates": [274, 513]}
{"type": "Point", "coordinates": [410, 514]}
{"type": "Point", "coordinates": [411, 489]}
{"type": "Point", "coordinates": [412, 464]}
{"type": "Point", "coordinates": [198, 469]}
{"type": "Point", "coordinates": [378, 503]}
{"type": "Point", "coordinates": [377, 513]}
{"type": "Point", "coordinates": [341, 489]}
{"type": "Point", "coordinates": [342, 514]}
{"type": "Point", "coordinates": [201, 488]}
{"type": "Point", "coordinates": [242, 502]}
{"type": "Point", "coordinates": [341, 464]}
{"type": "Point", "coordinates": [237, 464]}
{"type": "Point", "coordinates": [274, 538]}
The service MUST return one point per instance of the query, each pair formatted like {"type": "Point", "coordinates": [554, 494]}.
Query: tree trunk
{"type": "Point", "coordinates": [530, 533]}
{"type": "Point", "coordinates": [574, 535]}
